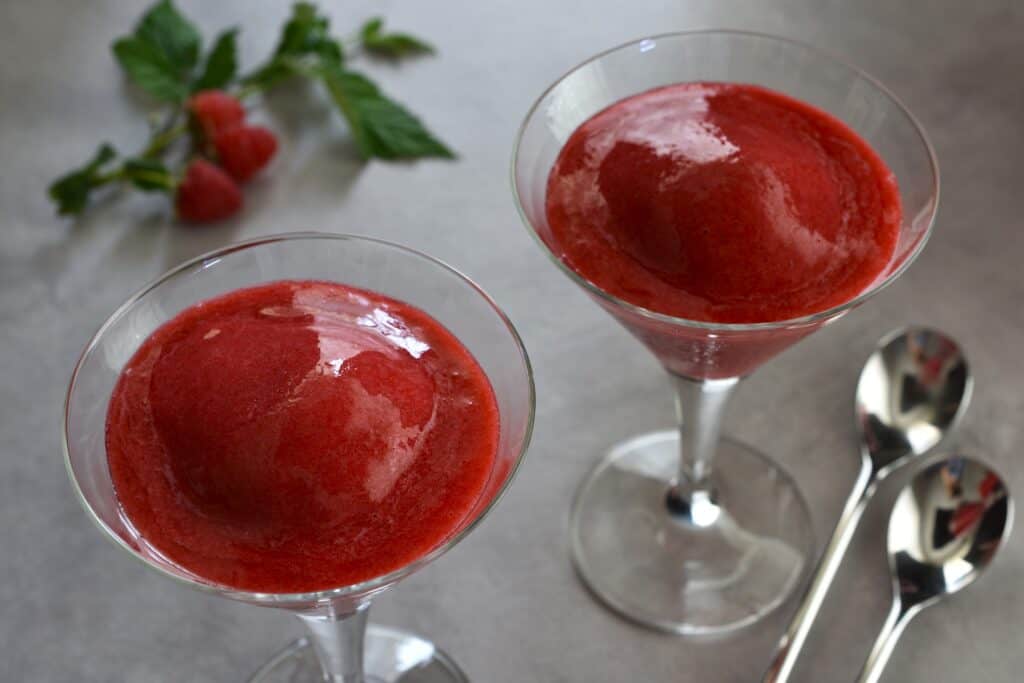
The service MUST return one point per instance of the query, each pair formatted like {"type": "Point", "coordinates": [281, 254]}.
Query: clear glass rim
{"type": "Point", "coordinates": [813, 318]}
{"type": "Point", "coordinates": [355, 590]}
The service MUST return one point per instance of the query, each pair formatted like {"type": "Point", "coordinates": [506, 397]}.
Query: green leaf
{"type": "Point", "coordinates": [372, 27]}
{"type": "Point", "coordinates": [391, 45]}
{"type": "Point", "coordinates": [270, 74]}
{"type": "Point", "coordinates": [330, 52]}
{"type": "Point", "coordinates": [308, 33]}
{"type": "Point", "coordinates": [172, 34]}
{"type": "Point", "coordinates": [305, 45]}
{"type": "Point", "coordinates": [149, 175]}
{"type": "Point", "coordinates": [149, 69]}
{"type": "Point", "coordinates": [303, 26]}
{"type": "Point", "coordinates": [221, 63]}
{"type": "Point", "coordinates": [381, 127]}
{"type": "Point", "coordinates": [71, 191]}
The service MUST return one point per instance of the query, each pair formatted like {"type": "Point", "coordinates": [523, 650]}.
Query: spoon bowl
{"type": "Point", "coordinates": [945, 529]}
{"type": "Point", "coordinates": [911, 393]}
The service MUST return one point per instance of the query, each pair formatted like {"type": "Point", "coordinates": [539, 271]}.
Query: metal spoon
{"type": "Point", "coordinates": [944, 531]}
{"type": "Point", "coordinates": [911, 393]}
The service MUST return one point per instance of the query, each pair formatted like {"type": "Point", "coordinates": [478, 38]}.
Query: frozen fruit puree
{"type": "Point", "coordinates": [722, 202]}
{"type": "Point", "coordinates": [298, 436]}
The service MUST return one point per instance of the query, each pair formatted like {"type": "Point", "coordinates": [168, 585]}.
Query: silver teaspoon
{"type": "Point", "coordinates": [911, 393]}
{"type": "Point", "coordinates": [945, 528]}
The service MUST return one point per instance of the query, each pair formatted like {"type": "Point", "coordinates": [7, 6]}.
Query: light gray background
{"type": "Point", "coordinates": [505, 602]}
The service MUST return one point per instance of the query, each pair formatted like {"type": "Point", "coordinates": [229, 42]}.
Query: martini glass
{"type": "Point", "coordinates": [681, 530]}
{"type": "Point", "coordinates": [338, 648]}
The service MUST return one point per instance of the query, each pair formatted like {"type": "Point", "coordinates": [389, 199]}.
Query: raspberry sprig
{"type": "Point", "coordinates": [205, 148]}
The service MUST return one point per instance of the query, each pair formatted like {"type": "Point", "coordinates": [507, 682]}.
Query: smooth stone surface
{"type": "Point", "coordinates": [505, 603]}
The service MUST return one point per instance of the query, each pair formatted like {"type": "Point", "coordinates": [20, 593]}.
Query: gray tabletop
{"type": "Point", "coordinates": [505, 602]}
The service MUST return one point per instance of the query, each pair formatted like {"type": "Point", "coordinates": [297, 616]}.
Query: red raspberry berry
{"type": "Point", "coordinates": [244, 150]}
{"type": "Point", "coordinates": [216, 111]}
{"type": "Point", "coordinates": [207, 193]}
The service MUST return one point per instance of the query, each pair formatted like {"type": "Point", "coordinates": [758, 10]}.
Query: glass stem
{"type": "Point", "coordinates": [338, 641]}
{"type": "Point", "coordinates": [700, 406]}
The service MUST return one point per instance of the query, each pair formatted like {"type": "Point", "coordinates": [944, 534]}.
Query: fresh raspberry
{"type": "Point", "coordinates": [216, 111]}
{"type": "Point", "coordinates": [244, 150]}
{"type": "Point", "coordinates": [207, 193]}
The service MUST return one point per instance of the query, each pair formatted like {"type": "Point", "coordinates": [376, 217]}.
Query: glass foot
{"type": "Point", "coordinates": [738, 559]}
{"type": "Point", "coordinates": [391, 656]}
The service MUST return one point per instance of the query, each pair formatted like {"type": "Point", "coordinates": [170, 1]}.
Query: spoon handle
{"type": "Point", "coordinates": [789, 646]}
{"type": "Point", "coordinates": [899, 615]}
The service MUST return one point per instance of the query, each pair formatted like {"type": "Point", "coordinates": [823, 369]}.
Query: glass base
{"type": "Point", "coordinates": [390, 656]}
{"type": "Point", "coordinates": [741, 555]}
